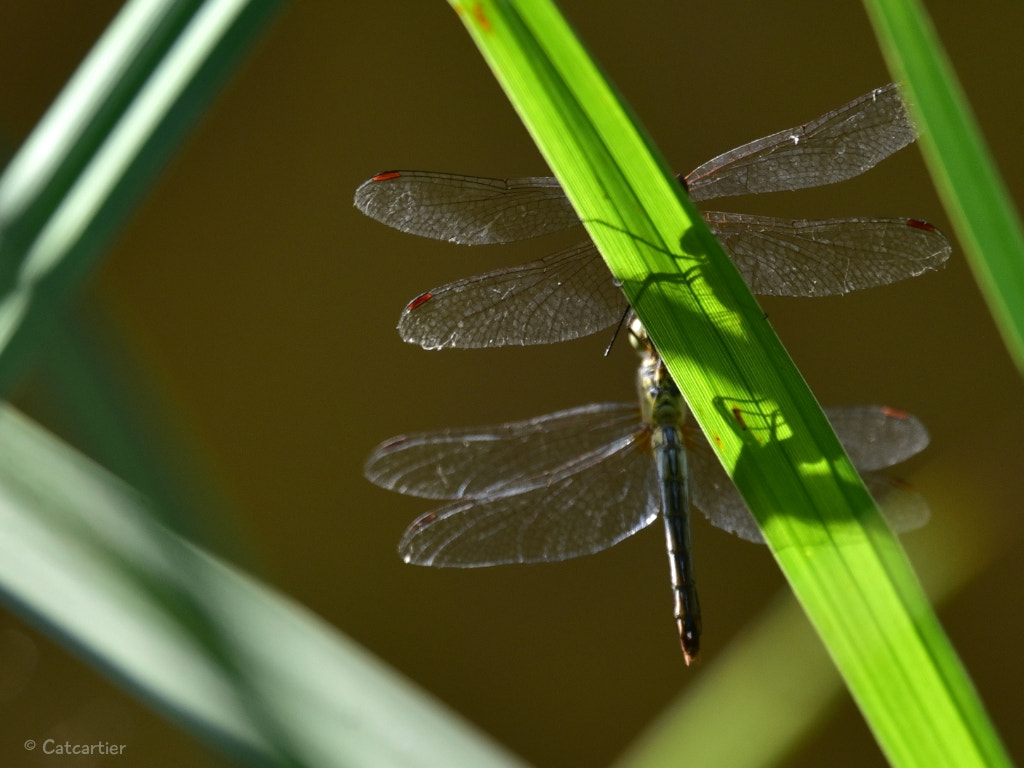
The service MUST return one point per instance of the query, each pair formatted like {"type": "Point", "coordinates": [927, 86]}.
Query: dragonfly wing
{"type": "Point", "coordinates": [562, 296]}
{"type": "Point", "coordinates": [713, 492]}
{"type": "Point", "coordinates": [903, 506]}
{"type": "Point", "coordinates": [486, 461]}
{"type": "Point", "coordinates": [827, 257]}
{"type": "Point", "coordinates": [466, 209]}
{"type": "Point", "coordinates": [876, 436]}
{"type": "Point", "coordinates": [607, 500]}
{"type": "Point", "coordinates": [837, 146]}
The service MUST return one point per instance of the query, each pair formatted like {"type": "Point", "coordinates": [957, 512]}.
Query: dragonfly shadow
{"type": "Point", "coordinates": [764, 427]}
{"type": "Point", "coordinates": [692, 258]}
{"type": "Point", "coordinates": [692, 298]}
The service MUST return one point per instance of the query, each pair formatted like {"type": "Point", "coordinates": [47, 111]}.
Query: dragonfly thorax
{"type": "Point", "coordinates": [660, 399]}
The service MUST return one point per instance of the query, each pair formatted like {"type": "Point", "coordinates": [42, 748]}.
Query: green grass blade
{"type": "Point", "coordinates": [102, 142]}
{"type": "Point", "coordinates": [846, 568]}
{"type": "Point", "coordinates": [777, 705]}
{"type": "Point", "coordinates": [222, 655]}
{"type": "Point", "coordinates": [972, 191]}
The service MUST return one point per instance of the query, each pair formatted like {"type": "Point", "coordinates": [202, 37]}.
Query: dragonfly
{"type": "Point", "coordinates": [581, 480]}
{"type": "Point", "coordinates": [570, 293]}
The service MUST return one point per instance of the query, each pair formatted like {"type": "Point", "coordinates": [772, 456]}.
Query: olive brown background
{"type": "Point", "coordinates": [260, 306]}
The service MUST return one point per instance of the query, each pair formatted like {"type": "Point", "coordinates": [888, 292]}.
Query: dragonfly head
{"type": "Point", "coordinates": [638, 337]}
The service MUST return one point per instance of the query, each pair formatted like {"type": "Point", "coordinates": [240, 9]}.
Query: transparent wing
{"type": "Point", "coordinates": [598, 504]}
{"type": "Point", "coordinates": [827, 257]}
{"type": "Point", "coordinates": [902, 505]}
{"type": "Point", "coordinates": [837, 146]}
{"type": "Point", "coordinates": [563, 296]}
{"type": "Point", "coordinates": [474, 210]}
{"type": "Point", "coordinates": [874, 437]}
{"type": "Point", "coordinates": [466, 209]}
{"type": "Point", "coordinates": [713, 493]}
{"type": "Point", "coordinates": [570, 294]}
{"type": "Point", "coordinates": [506, 459]}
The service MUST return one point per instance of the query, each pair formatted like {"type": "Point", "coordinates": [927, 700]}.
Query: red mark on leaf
{"type": "Point", "coordinates": [481, 17]}
{"type": "Point", "coordinates": [738, 415]}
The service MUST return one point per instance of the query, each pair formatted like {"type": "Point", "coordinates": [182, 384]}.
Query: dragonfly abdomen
{"type": "Point", "coordinates": [670, 453]}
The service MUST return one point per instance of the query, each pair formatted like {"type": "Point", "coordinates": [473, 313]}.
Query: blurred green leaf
{"type": "Point", "coordinates": [82, 556]}
{"type": "Point", "coordinates": [103, 141]}
{"type": "Point", "coordinates": [217, 652]}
